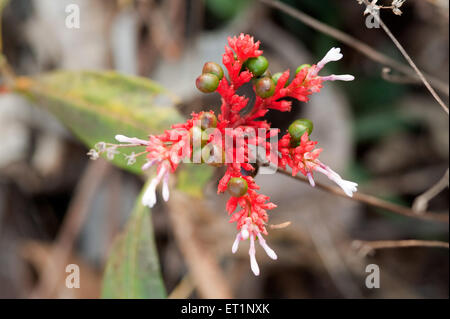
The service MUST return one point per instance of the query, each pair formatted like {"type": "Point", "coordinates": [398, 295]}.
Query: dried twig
{"type": "Point", "coordinates": [76, 215]}
{"type": "Point", "coordinates": [408, 58]}
{"type": "Point", "coordinates": [203, 266]}
{"type": "Point", "coordinates": [280, 226]}
{"type": "Point", "coordinates": [368, 247]}
{"type": "Point", "coordinates": [386, 74]}
{"type": "Point", "coordinates": [331, 257]}
{"type": "Point", "coordinates": [371, 200]}
{"type": "Point", "coordinates": [184, 288]}
{"type": "Point", "coordinates": [420, 204]}
{"type": "Point", "coordinates": [354, 43]}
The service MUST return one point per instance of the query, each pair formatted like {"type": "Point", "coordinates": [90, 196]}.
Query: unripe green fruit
{"type": "Point", "coordinates": [237, 186]}
{"type": "Point", "coordinates": [298, 128]}
{"type": "Point", "coordinates": [265, 87]}
{"type": "Point", "coordinates": [257, 65]}
{"type": "Point", "coordinates": [277, 76]}
{"type": "Point", "coordinates": [266, 74]}
{"type": "Point", "coordinates": [301, 67]}
{"type": "Point", "coordinates": [207, 82]}
{"type": "Point", "coordinates": [208, 120]}
{"type": "Point", "coordinates": [213, 68]}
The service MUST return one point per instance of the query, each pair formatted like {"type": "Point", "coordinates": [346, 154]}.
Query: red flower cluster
{"type": "Point", "coordinates": [230, 138]}
{"type": "Point", "coordinates": [301, 158]}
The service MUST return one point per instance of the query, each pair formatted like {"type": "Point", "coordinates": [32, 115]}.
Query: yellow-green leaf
{"type": "Point", "coordinates": [96, 106]}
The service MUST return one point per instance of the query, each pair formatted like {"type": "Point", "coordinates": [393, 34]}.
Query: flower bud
{"type": "Point", "coordinates": [298, 128]}
{"type": "Point", "coordinates": [208, 120]}
{"type": "Point", "coordinates": [257, 65]}
{"type": "Point", "coordinates": [265, 87]}
{"type": "Point", "coordinates": [207, 82]}
{"type": "Point", "coordinates": [237, 186]}
{"type": "Point", "coordinates": [213, 68]}
{"type": "Point", "coordinates": [301, 67]}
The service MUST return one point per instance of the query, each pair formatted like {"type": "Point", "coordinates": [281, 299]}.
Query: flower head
{"type": "Point", "coordinates": [304, 158]}
{"type": "Point", "coordinates": [227, 139]}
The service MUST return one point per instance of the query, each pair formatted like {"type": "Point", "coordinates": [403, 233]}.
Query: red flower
{"type": "Point", "coordinates": [231, 138]}
{"type": "Point", "coordinates": [304, 158]}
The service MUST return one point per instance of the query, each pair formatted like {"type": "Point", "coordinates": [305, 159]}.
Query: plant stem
{"type": "Point", "coordinates": [371, 200]}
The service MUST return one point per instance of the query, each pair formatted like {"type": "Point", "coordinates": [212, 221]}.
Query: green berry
{"type": "Point", "coordinates": [267, 73]}
{"type": "Point", "coordinates": [301, 67]}
{"type": "Point", "coordinates": [214, 68]}
{"type": "Point", "coordinates": [298, 128]}
{"type": "Point", "coordinates": [237, 186]}
{"type": "Point", "coordinates": [207, 82]}
{"type": "Point", "coordinates": [257, 65]}
{"type": "Point", "coordinates": [277, 76]}
{"type": "Point", "coordinates": [208, 120]}
{"type": "Point", "coordinates": [265, 87]}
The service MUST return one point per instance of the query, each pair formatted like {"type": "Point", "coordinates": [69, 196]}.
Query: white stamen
{"type": "Point", "coordinates": [253, 264]}
{"type": "Point", "coordinates": [111, 152]}
{"type": "Point", "coordinates": [269, 251]}
{"type": "Point", "coordinates": [347, 186]}
{"type": "Point", "coordinates": [341, 77]}
{"type": "Point", "coordinates": [100, 146]}
{"type": "Point", "coordinates": [311, 180]}
{"type": "Point", "coordinates": [148, 164]}
{"type": "Point", "coordinates": [149, 198]}
{"type": "Point", "coordinates": [244, 232]}
{"type": "Point", "coordinates": [93, 154]}
{"type": "Point", "coordinates": [165, 188]}
{"type": "Point", "coordinates": [235, 246]}
{"type": "Point", "coordinates": [131, 140]}
{"type": "Point", "coordinates": [333, 55]}
{"type": "Point", "coordinates": [131, 159]}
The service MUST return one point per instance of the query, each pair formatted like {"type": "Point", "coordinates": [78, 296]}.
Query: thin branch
{"type": "Point", "coordinates": [354, 43]}
{"type": "Point", "coordinates": [280, 226]}
{"type": "Point", "coordinates": [386, 74]}
{"type": "Point", "coordinates": [370, 200]}
{"type": "Point", "coordinates": [368, 247]}
{"type": "Point", "coordinates": [184, 288]}
{"type": "Point", "coordinates": [408, 58]}
{"type": "Point", "coordinates": [420, 204]}
{"type": "Point", "coordinates": [76, 215]}
{"type": "Point", "coordinates": [204, 267]}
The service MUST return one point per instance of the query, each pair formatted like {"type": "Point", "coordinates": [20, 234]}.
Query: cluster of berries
{"type": "Point", "coordinates": [229, 139]}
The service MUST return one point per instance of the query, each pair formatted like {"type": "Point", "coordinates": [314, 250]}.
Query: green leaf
{"type": "Point", "coordinates": [226, 9]}
{"type": "Point", "coordinates": [132, 270]}
{"type": "Point", "coordinates": [96, 106]}
{"type": "Point", "coordinates": [193, 180]}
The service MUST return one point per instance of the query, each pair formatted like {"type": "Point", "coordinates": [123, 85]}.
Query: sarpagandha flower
{"type": "Point", "coordinates": [233, 137]}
